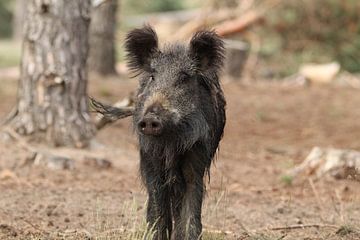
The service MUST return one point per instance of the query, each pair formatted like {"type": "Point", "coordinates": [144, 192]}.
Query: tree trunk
{"type": "Point", "coordinates": [52, 96]}
{"type": "Point", "coordinates": [236, 56]}
{"type": "Point", "coordinates": [102, 57]}
{"type": "Point", "coordinates": [18, 19]}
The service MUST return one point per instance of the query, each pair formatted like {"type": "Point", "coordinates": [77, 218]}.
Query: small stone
{"type": "Point", "coordinates": [54, 162]}
{"type": "Point", "coordinates": [97, 162]}
{"type": "Point", "coordinates": [280, 210]}
{"type": "Point", "coordinates": [5, 137]}
{"type": "Point", "coordinates": [346, 189]}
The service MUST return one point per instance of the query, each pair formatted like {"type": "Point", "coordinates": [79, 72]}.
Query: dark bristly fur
{"type": "Point", "coordinates": [140, 45]}
{"type": "Point", "coordinates": [179, 86]}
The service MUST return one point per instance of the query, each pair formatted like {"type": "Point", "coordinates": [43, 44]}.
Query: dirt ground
{"type": "Point", "coordinates": [270, 129]}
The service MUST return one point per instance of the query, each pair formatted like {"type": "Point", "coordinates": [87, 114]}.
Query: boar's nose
{"type": "Point", "coordinates": [150, 125]}
{"type": "Point", "coordinates": [155, 108]}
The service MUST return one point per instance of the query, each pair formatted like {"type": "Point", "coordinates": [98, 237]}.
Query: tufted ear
{"type": "Point", "coordinates": [140, 45]}
{"type": "Point", "coordinates": [207, 48]}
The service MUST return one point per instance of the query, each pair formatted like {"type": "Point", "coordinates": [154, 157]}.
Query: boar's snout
{"type": "Point", "coordinates": [151, 123]}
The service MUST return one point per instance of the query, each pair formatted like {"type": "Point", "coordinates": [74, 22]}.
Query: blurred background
{"type": "Point", "coordinates": [283, 35]}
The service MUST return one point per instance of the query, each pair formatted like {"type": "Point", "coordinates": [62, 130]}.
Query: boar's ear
{"type": "Point", "coordinates": [207, 48]}
{"type": "Point", "coordinates": [140, 45]}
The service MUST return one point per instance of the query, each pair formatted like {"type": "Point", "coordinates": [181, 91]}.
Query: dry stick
{"type": "Point", "coordinates": [242, 23]}
{"type": "Point", "coordinates": [300, 226]}
{"type": "Point", "coordinates": [35, 227]}
{"type": "Point", "coordinates": [207, 18]}
{"type": "Point", "coordinates": [212, 229]}
{"type": "Point", "coordinates": [109, 114]}
{"type": "Point", "coordinates": [20, 140]}
{"type": "Point", "coordinates": [317, 197]}
{"type": "Point", "coordinates": [239, 24]}
{"type": "Point", "coordinates": [341, 205]}
{"type": "Point", "coordinates": [11, 115]}
{"type": "Point", "coordinates": [210, 18]}
{"type": "Point", "coordinates": [28, 222]}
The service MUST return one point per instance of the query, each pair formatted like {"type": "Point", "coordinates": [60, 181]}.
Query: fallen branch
{"type": "Point", "coordinates": [338, 163]}
{"type": "Point", "coordinates": [39, 157]}
{"type": "Point", "coordinates": [214, 231]}
{"type": "Point", "coordinates": [246, 20]}
{"type": "Point", "coordinates": [22, 142]}
{"type": "Point", "coordinates": [239, 24]}
{"type": "Point", "coordinates": [11, 115]}
{"type": "Point", "coordinates": [301, 226]}
{"type": "Point", "coordinates": [206, 19]}
{"type": "Point", "coordinates": [109, 114]}
{"type": "Point", "coordinates": [35, 227]}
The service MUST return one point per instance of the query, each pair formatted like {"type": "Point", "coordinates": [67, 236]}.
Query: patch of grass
{"type": "Point", "coordinates": [287, 180]}
{"type": "Point", "coordinates": [287, 164]}
{"type": "Point", "coordinates": [10, 53]}
{"type": "Point", "coordinates": [214, 236]}
{"type": "Point", "coordinates": [261, 116]}
{"type": "Point", "coordinates": [104, 92]}
{"type": "Point", "coordinates": [345, 230]}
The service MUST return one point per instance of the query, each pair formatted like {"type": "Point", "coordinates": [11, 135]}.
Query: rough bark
{"type": "Point", "coordinates": [52, 96]}
{"type": "Point", "coordinates": [102, 57]}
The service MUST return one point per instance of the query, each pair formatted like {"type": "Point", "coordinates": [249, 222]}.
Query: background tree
{"type": "Point", "coordinates": [18, 19]}
{"type": "Point", "coordinates": [102, 59]}
{"type": "Point", "coordinates": [52, 99]}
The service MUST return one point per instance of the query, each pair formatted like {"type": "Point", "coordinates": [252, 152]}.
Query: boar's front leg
{"type": "Point", "coordinates": [187, 205]}
{"type": "Point", "coordinates": [158, 215]}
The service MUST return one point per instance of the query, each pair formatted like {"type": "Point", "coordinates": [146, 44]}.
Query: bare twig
{"type": "Point", "coordinates": [245, 20]}
{"type": "Point", "coordinates": [337, 193]}
{"type": "Point", "coordinates": [212, 229]}
{"type": "Point", "coordinates": [318, 200]}
{"type": "Point", "coordinates": [109, 114]}
{"type": "Point", "coordinates": [24, 220]}
{"type": "Point", "coordinates": [20, 140]}
{"type": "Point", "coordinates": [206, 19]}
{"type": "Point", "coordinates": [12, 114]}
{"type": "Point", "coordinates": [301, 226]}
{"type": "Point", "coordinates": [35, 227]}
{"type": "Point", "coordinates": [239, 24]}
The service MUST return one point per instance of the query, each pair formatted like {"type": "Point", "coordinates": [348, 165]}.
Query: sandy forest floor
{"type": "Point", "coordinates": [270, 129]}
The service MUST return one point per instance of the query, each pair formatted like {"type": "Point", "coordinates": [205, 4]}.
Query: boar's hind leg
{"type": "Point", "coordinates": [187, 211]}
